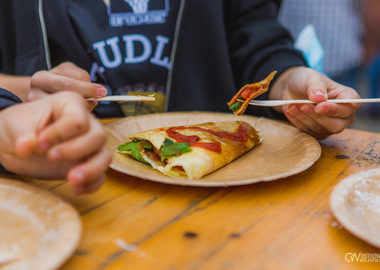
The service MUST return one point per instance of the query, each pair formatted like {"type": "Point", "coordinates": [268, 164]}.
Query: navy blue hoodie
{"type": "Point", "coordinates": [219, 47]}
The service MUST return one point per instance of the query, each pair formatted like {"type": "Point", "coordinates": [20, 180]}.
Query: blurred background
{"type": "Point", "coordinates": [341, 38]}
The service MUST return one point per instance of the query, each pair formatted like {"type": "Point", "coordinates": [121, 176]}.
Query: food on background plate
{"type": "Point", "coordinates": [355, 203]}
{"type": "Point", "coordinates": [239, 103]}
{"type": "Point", "coordinates": [192, 150]}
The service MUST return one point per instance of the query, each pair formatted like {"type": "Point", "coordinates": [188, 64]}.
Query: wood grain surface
{"type": "Point", "coordinates": [132, 223]}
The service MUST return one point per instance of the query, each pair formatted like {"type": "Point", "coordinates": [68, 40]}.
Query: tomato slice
{"type": "Point", "coordinates": [246, 93]}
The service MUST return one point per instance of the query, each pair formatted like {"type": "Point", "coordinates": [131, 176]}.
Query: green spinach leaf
{"type": "Point", "coordinates": [170, 148]}
{"type": "Point", "coordinates": [134, 148]}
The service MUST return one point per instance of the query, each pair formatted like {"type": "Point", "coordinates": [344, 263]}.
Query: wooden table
{"type": "Point", "coordinates": [284, 224]}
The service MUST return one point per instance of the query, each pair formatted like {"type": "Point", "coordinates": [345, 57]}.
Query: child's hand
{"type": "Point", "coordinates": [54, 138]}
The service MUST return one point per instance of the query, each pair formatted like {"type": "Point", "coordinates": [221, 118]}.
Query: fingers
{"type": "Point", "coordinates": [89, 175]}
{"type": "Point", "coordinates": [60, 124]}
{"type": "Point", "coordinates": [26, 144]}
{"type": "Point", "coordinates": [69, 69]}
{"type": "Point", "coordinates": [304, 118]}
{"type": "Point", "coordinates": [35, 94]}
{"type": "Point", "coordinates": [324, 118]}
{"type": "Point", "coordinates": [336, 110]}
{"type": "Point", "coordinates": [317, 87]}
{"type": "Point", "coordinates": [304, 83]}
{"type": "Point", "coordinates": [49, 82]}
{"type": "Point", "coordinates": [75, 136]}
{"type": "Point", "coordinates": [69, 119]}
{"type": "Point", "coordinates": [65, 77]}
{"type": "Point", "coordinates": [80, 146]}
{"type": "Point", "coordinates": [91, 104]}
{"type": "Point", "coordinates": [320, 89]}
{"type": "Point", "coordinates": [317, 95]}
{"type": "Point", "coordinates": [89, 188]}
{"type": "Point", "coordinates": [20, 126]}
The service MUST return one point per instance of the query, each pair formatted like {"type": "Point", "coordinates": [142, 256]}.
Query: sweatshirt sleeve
{"type": "Point", "coordinates": [3, 171]}
{"type": "Point", "coordinates": [7, 99]}
{"type": "Point", "coordinates": [261, 45]}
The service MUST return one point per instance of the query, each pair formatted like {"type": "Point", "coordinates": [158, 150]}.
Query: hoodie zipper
{"type": "Point", "coordinates": [173, 52]}
{"type": "Point", "coordinates": [44, 34]}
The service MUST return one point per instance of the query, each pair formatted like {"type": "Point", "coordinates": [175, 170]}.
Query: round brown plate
{"type": "Point", "coordinates": [285, 151]}
{"type": "Point", "coordinates": [355, 203]}
{"type": "Point", "coordinates": [37, 229]}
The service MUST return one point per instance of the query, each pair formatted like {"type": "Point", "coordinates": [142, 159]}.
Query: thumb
{"type": "Point", "coordinates": [25, 142]}
{"type": "Point", "coordinates": [317, 88]}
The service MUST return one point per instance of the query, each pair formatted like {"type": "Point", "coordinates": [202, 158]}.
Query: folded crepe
{"type": "Point", "coordinates": [193, 150]}
{"type": "Point", "coordinates": [239, 103]}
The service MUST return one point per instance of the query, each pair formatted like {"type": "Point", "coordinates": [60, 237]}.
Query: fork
{"type": "Point", "coordinates": [124, 98]}
{"type": "Point", "coordinates": [271, 103]}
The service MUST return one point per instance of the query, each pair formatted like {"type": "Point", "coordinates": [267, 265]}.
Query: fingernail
{"type": "Point", "coordinates": [293, 109]}
{"type": "Point", "coordinates": [306, 109]}
{"type": "Point", "coordinates": [317, 92]}
{"type": "Point", "coordinates": [101, 92]}
{"type": "Point", "coordinates": [321, 110]}
{"type": "Point", "coordinates": [54, 155]}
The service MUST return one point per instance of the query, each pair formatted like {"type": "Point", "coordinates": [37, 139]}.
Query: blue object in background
{"type": "Point", "coordinates": [308, 43]}
{"type": "Point", "coordinates": [374, 85]}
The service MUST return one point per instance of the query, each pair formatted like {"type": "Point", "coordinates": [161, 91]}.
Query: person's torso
{"type": "Point", "coordinates": [128, 41]}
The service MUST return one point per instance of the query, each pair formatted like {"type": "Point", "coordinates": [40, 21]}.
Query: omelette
{"type": "Point", "coordinates": [192, 151]}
